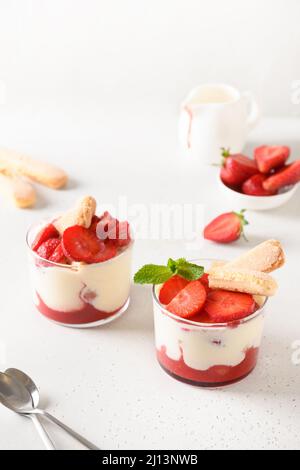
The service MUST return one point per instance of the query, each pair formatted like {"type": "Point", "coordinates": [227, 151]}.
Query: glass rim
{"type": "Point", "coordinates": [70, 266]}
{"type": "Point", "coordinates": [205, 325]}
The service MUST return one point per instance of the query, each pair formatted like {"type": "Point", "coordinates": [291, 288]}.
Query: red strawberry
{"type": "Point", "coordinates": [106, 226]}
{"type": "Point", "coordinates": [109, 228]}
{"type": "Point", "coordinates": [123, 234]}
{"type": "Point", "coordinates": [236, 168]}
{"type": "Point", "coordinates": [270, 157]}
{"type": "Point", "coordinates": [171, 288]}
{"type": "Point", "coordinates": [254, 186]}
{"type": "Point", "coordinates": [80, 244]}
{"type": "Point", "coordinates": [94, 223]}
{"type": "Point", "coordinates": [226, 228]}
{"type": "Point", "coordinates": [202, 317]}
{"type": "Point", "coordinates": [47, 248]}
{"type": "Point", "coordinates": [189, 300]}
{"type": "Point", "coordinates": [224, 306]}
{"type": "Point", "coordinates": [204, 280]}
{"type": "Point", "coordinates": [58, 255]}
{"type": "Point", "coordinates": [288, 176]}
{"type": "Point", "coordinates": [110, 251]}
{"type": "Point", "coordinates": [47, 232]}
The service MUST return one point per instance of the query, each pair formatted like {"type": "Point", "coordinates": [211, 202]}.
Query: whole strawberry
{"type": "Point", "coordinates": [226, 228]}
{"type": "Point", "coordinates": [254, 186]}
{"type": "Point", "coordinates": [236, 168]}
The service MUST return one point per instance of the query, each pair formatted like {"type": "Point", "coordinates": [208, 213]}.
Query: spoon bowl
{"type": "Point", "coordinates": [14, 395]}
{"type": "Point", "coordinates": [28, 383]}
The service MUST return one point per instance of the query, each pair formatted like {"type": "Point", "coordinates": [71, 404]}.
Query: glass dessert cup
{"type": "Point", "coordinates": [206, 354]}
{"type": "Point", "coordinates": [80, 295]}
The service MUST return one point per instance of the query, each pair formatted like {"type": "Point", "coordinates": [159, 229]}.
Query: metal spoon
{"type": "Point", "coordinates": [15, 396]}
{"type": "Point", "coordinates": [31, 388]}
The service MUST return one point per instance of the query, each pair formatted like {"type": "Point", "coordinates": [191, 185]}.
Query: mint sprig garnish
{"type": "Point", "coordinates": [189, 271]}
{"type": "Point", "coordinates": [152, 274]}
{"type": "Point", "coordinates": [157, 274]}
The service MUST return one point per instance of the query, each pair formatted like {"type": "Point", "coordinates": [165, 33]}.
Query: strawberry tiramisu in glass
{"type": "Point", "coordinates": [81, 266]}
{"type": "Point", "coordinates": [209, 316]}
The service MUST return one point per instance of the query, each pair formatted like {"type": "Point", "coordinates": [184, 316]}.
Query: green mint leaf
{"type": "Point", "coordinates": [153, 274]}
{"type": "Point", "coordinates": [172, 265]}
{"type": "Point", "coordinates": [189, 271]}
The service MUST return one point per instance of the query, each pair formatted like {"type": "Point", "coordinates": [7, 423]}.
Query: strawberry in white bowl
{"type": "Point", "coordinates": [264, 182]}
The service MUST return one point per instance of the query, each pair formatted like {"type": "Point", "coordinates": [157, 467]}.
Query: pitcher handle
{"type": "Point", "coordinates": [253, 113]}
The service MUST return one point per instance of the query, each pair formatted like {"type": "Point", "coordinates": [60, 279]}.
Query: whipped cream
{"type": "Point", "coordinates": [205, 347]}
{"type": "Point", "coordinates": [104, 285]}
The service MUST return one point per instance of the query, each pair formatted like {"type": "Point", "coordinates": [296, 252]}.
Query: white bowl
{"type": "Point", "coordinates": [256, 203]}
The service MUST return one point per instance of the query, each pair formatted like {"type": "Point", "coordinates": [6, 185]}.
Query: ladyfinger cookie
{"type": "Point", "coordinates": [260, 299]}
{"type": "Point", "coordinates": [242, 280]}
{"type": "Point", "coordinates": [21, 192]}
{"type": "Point", "coordinates": [265, 257]}
{"type": "Point", "coordinates": [12, 162]}
{"type": "Point", "coordinates": [81, 215]}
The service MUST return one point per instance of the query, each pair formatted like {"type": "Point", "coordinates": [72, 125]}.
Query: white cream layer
{"type": "Point", "coordinates": [104, 285]}
{"type": "Point", "coordinates": [203, 348]}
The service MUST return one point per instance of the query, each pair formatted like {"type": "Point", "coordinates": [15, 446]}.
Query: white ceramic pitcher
{"type": "Point", "coordinates": [215, 116]}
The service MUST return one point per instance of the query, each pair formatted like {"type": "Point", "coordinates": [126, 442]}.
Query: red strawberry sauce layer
{"type": "Point", "coordinates": [215, 376]}
{"type": "Point", "coordinates": [87, 314]}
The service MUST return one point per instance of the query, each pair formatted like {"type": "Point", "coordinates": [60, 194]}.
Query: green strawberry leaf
{"type": "Point", "coordinates": [243, 221]}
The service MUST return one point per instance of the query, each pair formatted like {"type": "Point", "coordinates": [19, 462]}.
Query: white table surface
{"type": "Point", "coordinates": [105, 382]}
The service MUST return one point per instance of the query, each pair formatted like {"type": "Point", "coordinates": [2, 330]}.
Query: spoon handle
{"type": "Point", "coordinates": [42, 432]}
{"type": "Point", "coordinates": [70, 431]}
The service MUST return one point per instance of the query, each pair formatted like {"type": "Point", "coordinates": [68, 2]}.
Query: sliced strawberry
{"type": "Point", "coordinates": [123, 234]}
{"type": "Point", "coordinates": [58, 255]}
{"type": "Point", "coordinates": [47, 232]}
{"type": "Point", "coordinates": [110, 251]}
{"type": "Point", "coordinates": [171, 288]}
{"type": "Point", "coordinates": [236, 168]}
{"type": "Point", "coordinates": [204, 280]}
{"type": "Point", "coordinates": [106, 226]}
{"type": "Point", "coordinates": [80, 244]}
{"type": "Point", "coordinates": [254, 186]}
{"type": "Point", "coordinates": [94, 223]}
{"type": "Point", "coordinates": [47, 248]}
{"type": "Point", "coordinates": [224, 306]}
{"type": "Point", "coordinates": [202, 317]}
{"type": "Point", "coordinates": [226, 228]}
{"type": "Point", "coordinates": [270, 157]}
{"type": "Point", "coordinates": [109, 228]}
{"type": "Point", "coordinates": [288, 176]}
{"type": "Point", "coordinates": [188, 301]}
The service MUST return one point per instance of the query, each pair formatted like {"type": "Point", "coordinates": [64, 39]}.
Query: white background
{"type": "Point", "coordinates": [95, 87]}
{"type": "Point", "coordinates": [97, 53]}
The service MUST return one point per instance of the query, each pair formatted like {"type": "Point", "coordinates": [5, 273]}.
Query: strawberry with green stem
{"type": "Point", "coordinates": [236, 168]}
{"type": "Point", "coordinates": [226, 228]}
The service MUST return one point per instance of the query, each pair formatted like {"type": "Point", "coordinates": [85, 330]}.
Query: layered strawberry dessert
{"type": "Point", "coordinates": [81, 266]}
{"type": "Point", "coordinates": [209, 316]}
